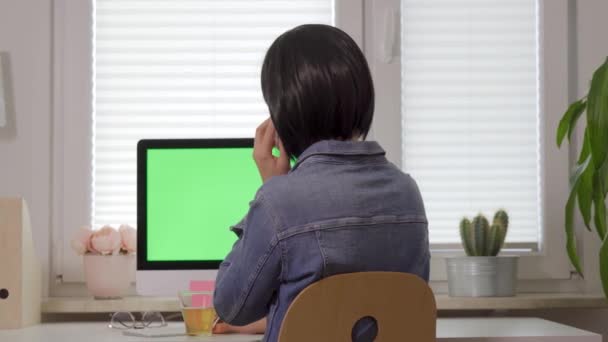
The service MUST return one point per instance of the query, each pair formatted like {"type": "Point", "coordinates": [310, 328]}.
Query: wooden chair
{"type": "Point", "coordinates": [402, 304]}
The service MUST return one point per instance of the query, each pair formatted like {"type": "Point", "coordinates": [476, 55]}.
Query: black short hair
{"type": "Point", "coordinates": [317, 85]}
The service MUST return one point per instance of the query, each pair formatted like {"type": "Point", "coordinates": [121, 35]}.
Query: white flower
{"type": "Point", "coordinates": [129, 238]}
{"type": "Point", "coordinates": [81, 243]}
{"type": "Point", "coordinates": [106, 240]}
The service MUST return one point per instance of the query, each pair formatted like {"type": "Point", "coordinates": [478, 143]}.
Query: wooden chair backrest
{"type": "Point", "coordinates": [402, 304]}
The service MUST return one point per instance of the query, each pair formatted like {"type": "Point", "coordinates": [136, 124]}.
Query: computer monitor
{"type": "Point", "coordinates": [189, 193]}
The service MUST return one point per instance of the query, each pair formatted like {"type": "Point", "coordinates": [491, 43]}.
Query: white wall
{"type": "Point", "coordinates": [25, 37]}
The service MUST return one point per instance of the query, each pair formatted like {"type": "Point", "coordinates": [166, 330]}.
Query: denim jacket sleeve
{"type": "Point", "coordinates": [249, 276]}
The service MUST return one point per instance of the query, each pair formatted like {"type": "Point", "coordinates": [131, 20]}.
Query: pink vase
{"type": "Point", "coordinates": [109, 276]}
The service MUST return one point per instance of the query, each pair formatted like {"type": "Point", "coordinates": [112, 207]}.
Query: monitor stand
{"type": "Point", "coordinates": [167, 283]}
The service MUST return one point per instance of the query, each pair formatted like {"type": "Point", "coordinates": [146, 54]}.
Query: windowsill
{"type": "Point", "coordinates": [524, 301]}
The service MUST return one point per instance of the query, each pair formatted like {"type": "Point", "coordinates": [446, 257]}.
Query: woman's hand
{"type": "Point", "coordinates": [258, 327]}
{"type": "Point", "coordinates": [265, 140]}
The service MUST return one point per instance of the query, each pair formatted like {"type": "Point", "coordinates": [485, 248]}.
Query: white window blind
{"type": "Point", "coordinates": [470, 112]}
{"type": "Point", "coordinates": [177, 69]}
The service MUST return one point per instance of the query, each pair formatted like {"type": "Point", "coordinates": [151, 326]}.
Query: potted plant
{"type": "Point", "coordinates": [589, 180]}
{"type": "Point", "coordinates": [109, 259]}
{"type": "Point", "coordinates": [482, 273]}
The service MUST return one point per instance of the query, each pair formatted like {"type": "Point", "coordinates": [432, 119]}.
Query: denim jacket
{"type": "Point", "coordinates": [342, 208]}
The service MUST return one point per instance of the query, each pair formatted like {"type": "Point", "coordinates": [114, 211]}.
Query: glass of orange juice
{"type": "Point", "coordinates": [197, 310]}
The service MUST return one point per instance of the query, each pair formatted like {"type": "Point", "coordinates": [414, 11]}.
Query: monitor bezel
{"type": "Point", "coordinates": [142, 162]}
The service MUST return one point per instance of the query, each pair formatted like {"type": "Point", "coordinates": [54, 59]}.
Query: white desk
{"type": "Point", "coordinates": [99, 332]}
{"type": "Point", "coordinates": [509, 329]}
{"type": "Point", "coordinates": [448, 329]}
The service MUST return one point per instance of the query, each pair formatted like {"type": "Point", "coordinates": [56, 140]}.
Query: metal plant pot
{"type": "Point", "coordinates": [481, 276]}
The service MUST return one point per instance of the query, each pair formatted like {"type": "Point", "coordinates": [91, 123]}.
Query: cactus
{"type": "Point", "coordinates": [466, 231]}
{"type": "Point", "coordinates": [493, 240]}
{"type": "Point", "coordinates": [501, 218]}
{"type": "Point", "coordinates": [479, 238]}
{"type": "Point", "coordinates": [480, 233]}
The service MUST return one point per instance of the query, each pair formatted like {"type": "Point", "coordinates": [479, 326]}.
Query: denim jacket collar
{"type": "Point", "coordinates": [341, 148]}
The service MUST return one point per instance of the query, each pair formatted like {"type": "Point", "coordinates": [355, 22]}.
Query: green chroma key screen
{"type": "Point", "coordinates": [194, 195]}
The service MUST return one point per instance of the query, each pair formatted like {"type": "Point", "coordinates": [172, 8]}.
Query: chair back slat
{"type": "Point", "coordinates": [402, 304]}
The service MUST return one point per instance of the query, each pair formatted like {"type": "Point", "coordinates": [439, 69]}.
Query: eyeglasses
{"type": "Point", "coordinates": [127, 320]}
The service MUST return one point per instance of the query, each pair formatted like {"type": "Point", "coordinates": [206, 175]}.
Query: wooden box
{"type": "Point", "coordinates": [20, 274]}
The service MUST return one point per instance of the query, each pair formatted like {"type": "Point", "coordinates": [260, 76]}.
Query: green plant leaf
{"type": "Point", "coordinates": [599, 205]}
{"type": "Point", "coordinates": [597, 115]}
{"type": "Point", "coordinates": [603, 171]}
{"type": "Point", "coordinates": [570, 236]}
{"type": "Point", "coordinates": [585, 189]}
{"type": "Point", "coordinates": [578, 172]}
{"type": "Point", "coordinates": [604, 265]}
{"type": "Point", "coordinates": [585, 195]}
{"type": "Point", "coordinates": [582, 105]}
{"type": "Point", "coordinates": [568, 121]}
{"type": "Point", "coordinates": [586, 150]}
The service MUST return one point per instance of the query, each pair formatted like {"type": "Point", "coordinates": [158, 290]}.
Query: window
{"type": "Point", "coordinates": [470, 113]}
{"type": "Point", "coordinates": [177, 69]}
{"type": "Point", "coordinates": [469, 80]}
{"type": "Point", "coordinates": [470, 93]}
{"type": "Point", "coordinates": [133, 69]}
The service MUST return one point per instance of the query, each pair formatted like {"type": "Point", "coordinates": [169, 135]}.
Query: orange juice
{"type": "Point", "coordinates": [199, 321]}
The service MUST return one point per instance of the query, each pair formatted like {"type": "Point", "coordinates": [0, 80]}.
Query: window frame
{"type": "Point", "coordinates": [72, 167]}
{"type": "Point", "coordinates": [364, 21]}
{"type": "Point", "coordinates": [72, 96]}
{"type": "Point", "coordinates": [550, 260]}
